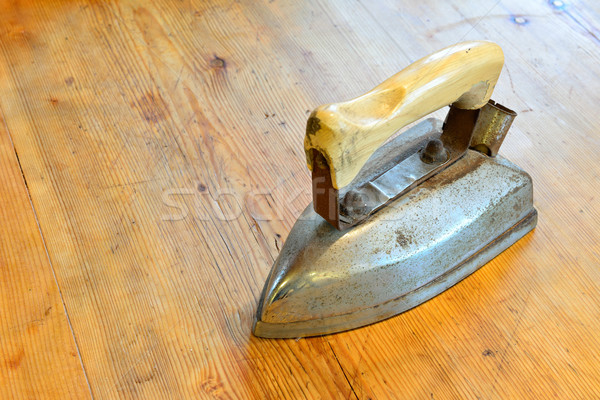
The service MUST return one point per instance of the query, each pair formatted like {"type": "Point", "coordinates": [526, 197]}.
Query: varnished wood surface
{"type": "Point", "coordinates": [118, 109]}
{"type": "Point", "coordinates": [39, 355]}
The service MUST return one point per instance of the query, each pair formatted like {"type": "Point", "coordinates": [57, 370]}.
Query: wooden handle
{"type": "Point", "coordinates": [348, 133]}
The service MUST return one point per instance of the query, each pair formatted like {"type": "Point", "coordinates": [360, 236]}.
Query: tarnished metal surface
{"type": "Point", "coordinates": [326, 280]}
{"type": "Point", "coordinates": [493, 123]}
{"type": "Point", "coordinates": [377, 193]}
{"type": "Point", "coordinates": [436, 212]}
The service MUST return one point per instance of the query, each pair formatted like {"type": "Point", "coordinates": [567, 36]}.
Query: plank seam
{"type": "Point", "coordinates": [343, 372]}
{"type": "Point", "coordinates": [37, 222]}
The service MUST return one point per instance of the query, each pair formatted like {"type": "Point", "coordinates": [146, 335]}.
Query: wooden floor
{"type": "Point", "coordinates": [152, 167]}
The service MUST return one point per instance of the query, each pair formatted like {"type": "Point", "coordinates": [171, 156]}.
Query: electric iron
{"type": "Point", "coordinates": [394, 223]}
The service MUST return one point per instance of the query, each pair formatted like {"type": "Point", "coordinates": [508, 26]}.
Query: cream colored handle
{"type": "Point", "coordinates": [348, 133]}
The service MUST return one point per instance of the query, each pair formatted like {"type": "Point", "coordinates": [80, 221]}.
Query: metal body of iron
{"type": "Point", "coordinates": [428, 209]}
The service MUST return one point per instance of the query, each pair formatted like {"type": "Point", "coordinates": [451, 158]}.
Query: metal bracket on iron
{"type": "Point", "coordinates": [482, 129]}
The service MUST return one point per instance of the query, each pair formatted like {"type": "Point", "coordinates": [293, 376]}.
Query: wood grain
{"type": "Point", "coordinates": [38, 355]}
{"type": "Point", "coordinates": [161, 143]}
{"type": "Point", "coordinates": [348, 133]}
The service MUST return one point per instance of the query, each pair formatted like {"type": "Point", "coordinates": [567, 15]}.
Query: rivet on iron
{"type": "Point", "coordinates": [434, 152]}
{"type": "Point", "coordinates": [355, 203]}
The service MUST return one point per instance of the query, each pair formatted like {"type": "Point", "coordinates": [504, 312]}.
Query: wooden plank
{"type": "Point", "coordinates": [161, 143]}
{"type": "Point", "coordinates": [145, 131]}
{"type": "Point", "coordinates": [38, 355]}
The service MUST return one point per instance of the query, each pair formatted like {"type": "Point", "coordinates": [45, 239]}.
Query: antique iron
{"type": "Point", "coordinates": [392, 225]}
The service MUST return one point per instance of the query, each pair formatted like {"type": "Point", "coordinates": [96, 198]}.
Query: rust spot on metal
{"type": "Point", "coordinates": [402, 239]}
{"type": "Point", "coordinates": [325, 196]}
{"type": "Point", "coordinates": [459, 171]}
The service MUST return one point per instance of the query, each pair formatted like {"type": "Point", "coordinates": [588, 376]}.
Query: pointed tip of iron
{"type": "Point", "coordinates": [319, 284]}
